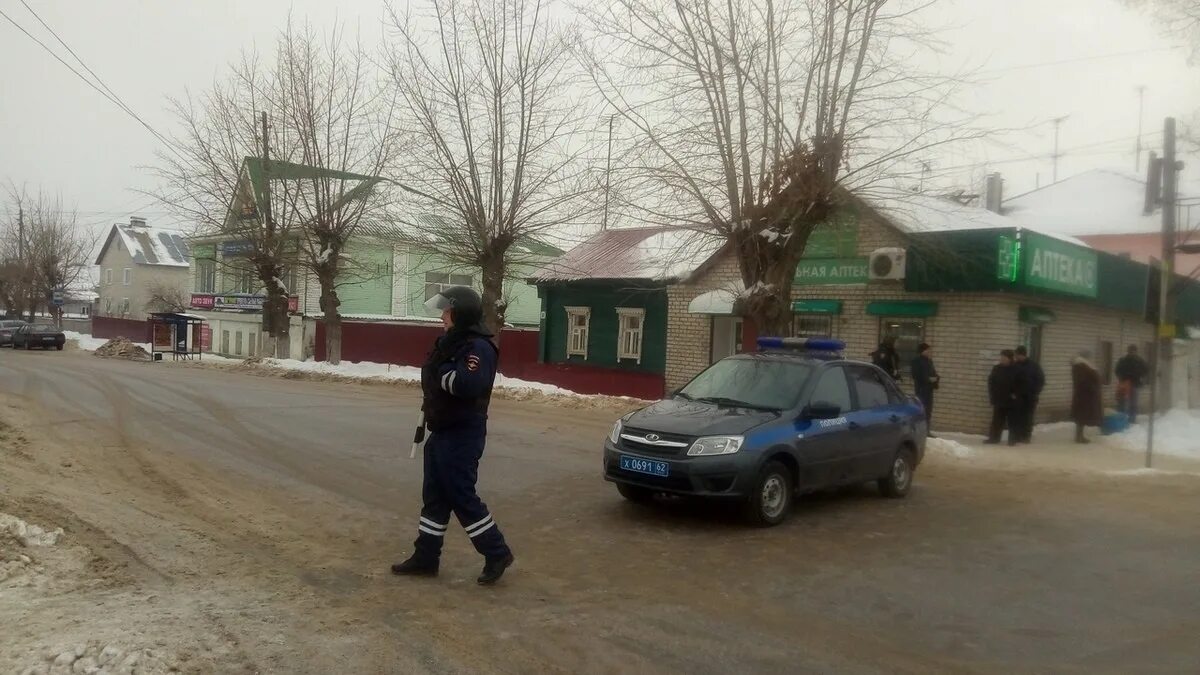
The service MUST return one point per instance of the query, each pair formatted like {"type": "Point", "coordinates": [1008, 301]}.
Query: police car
{"type": "Point", "coordinates": [760, 427]}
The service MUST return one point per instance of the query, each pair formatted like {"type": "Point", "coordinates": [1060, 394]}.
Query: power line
{"type": "Point", "coordinates": [109, 94]}
{"type": "Point", "coordinates": [1081, 59]}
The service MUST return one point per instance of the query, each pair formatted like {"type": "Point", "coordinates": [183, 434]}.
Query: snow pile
{"type": "Point", "coordinates": [28, 535]}
{"type": "Point", "coordinates": [123, 347]}
{"type": "Point", "coordinates": [1149, 472]}
{"type": "Point", "coordinates": [949, 447]}
{"type": "Point", "coordinates": [93, 658]}
{"type": "Point", "coordinates": [1176, 433]}
{"type": "Point", "coordinates": [84, 341]}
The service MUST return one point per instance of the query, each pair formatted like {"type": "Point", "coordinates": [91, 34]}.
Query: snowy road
{"type": "Point", "coordinates": [261, 513]}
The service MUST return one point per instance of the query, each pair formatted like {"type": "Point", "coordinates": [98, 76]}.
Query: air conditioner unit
{"type": "Point", "coordinates": [887, 263]}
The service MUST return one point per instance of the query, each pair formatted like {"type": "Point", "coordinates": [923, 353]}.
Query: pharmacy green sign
{"type": "Point", "coordinates": [832, 272]}
{"type": "Point", "coordinates": [1056, 265]}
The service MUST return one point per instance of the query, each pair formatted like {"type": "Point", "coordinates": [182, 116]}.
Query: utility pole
{"type": "Point", "coordinates": [1137, 159]}
{"type": "Point", "coordinates": [1160, 369]}
{"type": "Point", "coordinates": [1170, 172]}
{"type": "Point", "coordinates": [268, 242]}
{"type": "Point", "coordinates": [607, 173]}
{"type": "Point", "coordinates": [1057, 123]}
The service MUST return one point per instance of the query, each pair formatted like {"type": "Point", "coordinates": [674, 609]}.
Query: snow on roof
{"type": "Point", "coordinates": [921, 213]}
{"type": "Point", "coordinates": [1100, 201]}
{"type": "Point", "coordinates": [657, 254]}
{"type": "Point", "coordinates": [152, 245]}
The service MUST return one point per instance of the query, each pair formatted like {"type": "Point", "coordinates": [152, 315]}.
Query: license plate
{"type": "Point", "coordinates": [647, 466]}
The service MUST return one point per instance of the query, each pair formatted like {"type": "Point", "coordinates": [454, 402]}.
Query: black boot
{"type": "Point", "coordinates": [493, 569]}
{"type": "Point", "coordinates": [415, 567]}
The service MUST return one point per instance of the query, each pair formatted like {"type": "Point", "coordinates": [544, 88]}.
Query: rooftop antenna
{"type": "Point", "coordinates": [1057, 123]}
{"type": "Point", "coordinates": [1137, 158]}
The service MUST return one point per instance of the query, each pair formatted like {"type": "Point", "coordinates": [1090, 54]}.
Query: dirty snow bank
{"type": "Point", "coordinates": [85, 342]}
{"type": "Point", "coordinates": [28, 535]}
{"type": "Point", "coordinates": [367, 370]}
{"type": "Point", "coordinates": [949, 447]}
{"type": "Point", "coordinates": [111, 658]}
{"type": "Point", "coordinates": [1149, 472]}
{"type": "Point", "coordinates": [1176, 433]}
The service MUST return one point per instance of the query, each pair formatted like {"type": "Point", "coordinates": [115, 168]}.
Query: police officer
{"type": "Point", "coordinates": [457, 385]}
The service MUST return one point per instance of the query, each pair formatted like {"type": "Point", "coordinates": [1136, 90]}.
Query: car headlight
{"type": "Point", "coordinates": [716, 445]}
{"type": "Point", "coordinates": [615, 434]}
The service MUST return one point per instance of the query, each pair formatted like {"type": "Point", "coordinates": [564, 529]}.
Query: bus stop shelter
{"type": "Point", "coordinates": [176, 333]}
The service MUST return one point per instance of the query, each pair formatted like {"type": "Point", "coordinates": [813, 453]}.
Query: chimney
{"type": "Point", "coordinates": [1153, 184]}
{"type": "Point", "coordinates": [137, 221]}
{"type": "Point", "coordinates": [993, 193]}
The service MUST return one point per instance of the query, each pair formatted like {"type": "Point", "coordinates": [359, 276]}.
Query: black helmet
{"type": "Point", "coordinates": [465, 305]}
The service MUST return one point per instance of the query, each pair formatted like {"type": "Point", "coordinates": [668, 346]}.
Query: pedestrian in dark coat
{"type": "Point", "coordinates": [1131, 372]}
{"type": "Point", "coordinates": [887, 358]}
{"type": "Point", "coordinates": [925, 380]}
{"type": "Point", "coordinates": [1087, 407]}
{"type": "Point", "coordinates": [1031, 379]}
{"type": "Point", "coordinates": [1002, 392]}
{"type": "Point", "coordinates": [457, 381]}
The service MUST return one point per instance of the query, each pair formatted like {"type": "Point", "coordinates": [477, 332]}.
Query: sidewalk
{"type": "Point", "coordinates": [1054, 449]}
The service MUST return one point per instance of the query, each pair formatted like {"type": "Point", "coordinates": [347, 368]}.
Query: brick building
{"type": "Point", "coordinates": [966, 280]}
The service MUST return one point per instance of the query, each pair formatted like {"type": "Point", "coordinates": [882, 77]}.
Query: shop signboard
{"type": "Point", "coordinates": [832, 272]}
{"type": "Point", "coordinates": [251, 301]}
{"type": "Point", "coordinates": [1055, 265]}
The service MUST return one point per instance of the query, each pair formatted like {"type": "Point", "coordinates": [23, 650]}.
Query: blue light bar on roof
{"type": "Point", "coordinates": [808, 344]}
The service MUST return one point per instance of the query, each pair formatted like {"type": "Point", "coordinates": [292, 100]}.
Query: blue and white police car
{"type": "Point", "coordinates": [760, 427]}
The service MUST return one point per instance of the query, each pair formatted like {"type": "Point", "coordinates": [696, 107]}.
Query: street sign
{"type": "Point", "coordinates": [56, 297]}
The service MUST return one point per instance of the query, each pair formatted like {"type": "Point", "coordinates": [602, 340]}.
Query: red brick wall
{"type": "Point", "coordinates": [108, 327]}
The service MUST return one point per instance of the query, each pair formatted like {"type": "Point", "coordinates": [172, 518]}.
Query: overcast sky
{"type": "Point", "coordinates": [1039, 59]}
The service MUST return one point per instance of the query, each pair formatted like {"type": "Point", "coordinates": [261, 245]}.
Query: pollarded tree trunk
{"type": "Point", "coordinates": [494, 305]}
{"type": "Point", "coordinates": [276, 319]}
{"type": "Point", "coordinates": [332, 318]}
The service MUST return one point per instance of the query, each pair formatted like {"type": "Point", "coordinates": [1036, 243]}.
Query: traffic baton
{"type": "Point", "coordinates": [418, 436]}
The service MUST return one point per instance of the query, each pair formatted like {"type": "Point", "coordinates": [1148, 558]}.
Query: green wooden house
{"type": "Point", "coordinates": [604, 303]}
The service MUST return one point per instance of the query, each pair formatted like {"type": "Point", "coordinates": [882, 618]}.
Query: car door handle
{"type": "Point", "coordinates": [852, 425]}
{"type": "Point", "coordinates": [895, 419]}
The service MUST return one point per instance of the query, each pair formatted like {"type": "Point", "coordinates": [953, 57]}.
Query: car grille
{"type": "Point", "coordinates": [632, 440]}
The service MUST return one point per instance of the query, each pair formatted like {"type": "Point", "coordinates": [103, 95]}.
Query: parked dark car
{"type": "Point", "coordinates": [760, 427]}
{"type": "Point", "coordinates": [42, 335]}
{"type": "Point", "coordinates": [7, 328]}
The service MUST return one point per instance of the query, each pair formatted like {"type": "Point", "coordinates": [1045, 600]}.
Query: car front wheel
{"type": "Point", "coordinates": [58, 347]}
{"type": "Point", "coordinates": [771, 496]}
{"type": "Point", "coordinates": [899, 480]}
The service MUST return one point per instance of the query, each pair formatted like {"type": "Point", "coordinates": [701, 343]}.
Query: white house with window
{"type": "Point", "coordinates": [142, 269]}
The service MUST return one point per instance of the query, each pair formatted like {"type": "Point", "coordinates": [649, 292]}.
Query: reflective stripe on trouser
{"type": "Point", "coordinates": [451, 469]}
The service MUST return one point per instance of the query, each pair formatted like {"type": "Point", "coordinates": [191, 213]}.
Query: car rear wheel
{"type": "Point", "coordinates": [899, 480]}
{"type": "Point", "coordinates": [635, 494]}
{"type": "Point", "coordinates": [58, 347]}
{"type": "Point", "coordinates": [771, 496]}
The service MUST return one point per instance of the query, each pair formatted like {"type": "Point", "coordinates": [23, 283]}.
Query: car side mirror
{"type": "Point", "coordinates": [821, 410]}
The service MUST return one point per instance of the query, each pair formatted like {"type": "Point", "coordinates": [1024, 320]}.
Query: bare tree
{"type": "Point", "coordinates": [166, 298]}
{"type": "Point", "coordinates": [327, 122]}
{"type": "Point", "coordinates": [757, 117]}
{"type": "Point", "coordinates": [45, 252]}
{"type": "Point", "coordinates": [1180, 18]}
{"type": "Point", "coordinates": [498, 145]}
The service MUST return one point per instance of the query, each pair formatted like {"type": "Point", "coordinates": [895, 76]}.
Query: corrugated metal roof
{"type": "Point", "coordinates": [153, 245]}
{"type": "Point", "coordinates": [657, 254]}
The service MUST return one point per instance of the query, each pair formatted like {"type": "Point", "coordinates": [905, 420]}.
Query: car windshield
{"type": "Point", "coordinates": [44, 328]}
{"type": "Point", "coordinates": [769, 384]}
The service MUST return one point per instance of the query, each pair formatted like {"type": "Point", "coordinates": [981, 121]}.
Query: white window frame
{"type": "Point", "coordinates": [127, 276]}
{"type": "Point", "coordinates": [624, 334]}
{"type": "Point", "coordinates": [125, 306]}
{"type": "Point", "coordinates": [108, 276]}
{"type": "Point", "coordinates": [436, 282]}
{"type": "Point", "coordinates": [573, 349]}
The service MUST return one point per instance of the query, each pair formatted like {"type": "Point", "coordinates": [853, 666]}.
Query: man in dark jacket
{"type": "Point", "coordinates": [925, 380]}
{"type": "Point", "coordinates": [1132, 372]}
{"type": "Point", "coordinates": [1087, 405]}
{"type": "Point", "coordinates": [1031, 379]}
{"type": "Point", "coordinates": [456, 381]}
{"type": "Point", "coordinates": [1002, 391]}
{"type": "Point", "coordinates": [887, 358]}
